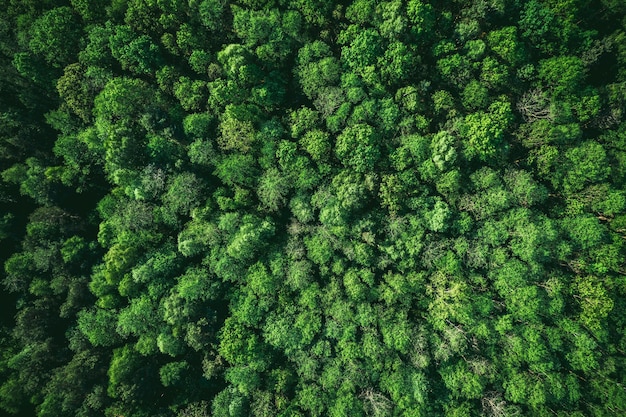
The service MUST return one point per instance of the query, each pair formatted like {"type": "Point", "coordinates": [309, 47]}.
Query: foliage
{"type": "Point", "coordinates": [312, 208]}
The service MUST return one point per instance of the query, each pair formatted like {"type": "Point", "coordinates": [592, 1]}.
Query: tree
{"type": "Point", "coordinates": [455, 69]}
{"type": "Point", "coordinates": [237, 128]}
{"type": "Point", "coordinates": [68, 386]}
{"type": "Point", "coordinates": [139, 318]}
{"type": "Point", "coordinates": [595, 302]}
{"type": "Point", "coordinates": [191, 93]}
{"type": "Point", "coordinates": [272, 190]}
{"type": "Point", "coordinates": [237, 65]}
{"type": "Point", "coordinates": [584, 231]}
{"type": "Point", "coordinates": [73, 87]}
{"type": "Point", "coordinates": [117, 110]}
{"type": "Point", "coordinates": [422, 16]}
{"type": "Point", "coordinates": [237, 169]}
{"type": "Point", "coordinates": [543, 28]}
{"type": "Point", "coordinates": [534, 105]}
{"type": "Point", "coordinates": [137, 54]}
{"type": "Point", "coordinates": [55, 35]}
{"type": "Point", "coordinates": [125, 371]}
{"type": "Point", "coordinates": [184, 193]}
{"type": "Point", "coordinates": [317, 144]}
{"type": "Point", "coordinates": [524, 188]}
{"type": "Point", "coordinates": [196, 409]}
{"type": "Point", "coordinates": [230, 403]}
{"type": "Point", "coordinates": [90, 11]}
{"type": "Point", "coordinates": [562, 75]}
{"type": "Point", "coordinates": [172, 373]}
{"type": "Point", "coordinates": [484, 131]}
{"type": "Point", "coordinates": [211, 14]}
{"type": "Point", "coordinates": [443, 146]}
{"type": "Point", "coordinates": [494, 74]}
{"type": "Point", "coordinates": [250, 238]}
{"type": "Point", "coordinates": [587, 164]}
{"type": "Point", "coordinates": [317, 68]}
{"type": "Point", "coordinates": [362, 50]}
{"type": "Point", "coordinates": [243, 378]}
{"type": "Point", "coordinates": [98, 325]}
{"type": "Point", "coordinates": [357, 148]}
{"type": "Point", "coordinates": [265, 30]}
{"type": "Point", "coordinates": [196, 237]}
{"type": "Point", "coordinates": [505, 44]}
{"type": "Point", "coordinates": [461, 381]}
{"type": "Point", "coordinates": [475, 96]}
{"type": "Point", "coordinates": [241, 347]}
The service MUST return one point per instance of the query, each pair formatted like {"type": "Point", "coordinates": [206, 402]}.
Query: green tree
{"type": "Point", "coordinates": [455, 69]}
{"type": "Point", "coordinates": [587, 164]}
{"type": "Point", "coordinates": [484, 131]}
{"type": "Point", "coordinates": [562, 75]}
{"type": "Point", "coordinates": [357, 148]}
{"type": "Point", "coordinates": [191, 93]}
{"type": "Point", "coordinates": [172, 373]}
{"type": "Point", "coordinates": [136, 53]}
{"type": "Point", "coordinates": [237, 128]}
{"type": "Point", "coordinates": [184, 193]}
{"type": "Point", "coordinates": [117, 110]}
{"type": "Point", "coordinates": [98, 325]}
{"type": "Point", "coordinates": [250, 237]}
{"type": "Point", "coordinates": [317, 68]}
{"type": "Point", "coordinates": [272, 190]}
{"type": "Point", "coordinates": [90, 11]}
{"type": "Point", "coordinates": [55, 35]}
{"type": "Point", "coordinates": [422, 16]}
{"type": "Point", "coordinates": [212, 14]}
{"type": "Point", "coordinates": [505, 44]}
{"type": "Point", "coordinates": [237, 169]}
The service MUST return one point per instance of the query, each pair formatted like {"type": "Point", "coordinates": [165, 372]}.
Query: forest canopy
{"type": "Point", "coordinates": [313, 208]}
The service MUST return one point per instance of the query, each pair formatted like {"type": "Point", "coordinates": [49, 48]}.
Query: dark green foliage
{"type": "Point", "coordinates": [55, 36]}
{"type": "Point", "coordinates": [312, 208]}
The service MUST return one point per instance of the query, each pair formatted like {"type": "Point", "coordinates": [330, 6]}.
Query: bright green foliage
{"type": "Point", "coordinates": [138, 318]}
{"type": "Point", "coordinates": [422, 16]}
{"type": "Point", "coordinates": [443, 150]}
{"type": "Point", "coordinates": [137, 54]}
{"type": "Point", "coordinates": [236, 169]}
{"type": "Point", "coordinates": [317, 68]}
{"type": "Point", "coordinates": [273, 188]}
{"type": "Point", "coordinates": [594, 301]}
{"type": "Point", "coordinates": [484, 131]}
{"type": "Point", "coordinates": [505, 44]}
{"type": "Point", "coordinates": [235, 60]}
{"type": "Point", "coordinates": [588, 164]}
{"type": "Point", "coordinates": [475, 96]}
{"type": "Point", "coordinates": [312, 208]}
{"type": "Point", "coordinates": [184, 193]}
{"type": "Point", "coordinates": [317, 144]}
{"type": "Point", "coordinates": [98, 326]}
{"type": "Point", "coordinates": [357, 146]}
{"type": "Point", "coordinates": [363, 50]}
{"type": "Point", "coordinates": [250, 237]}
{"type": "Point", "coordinates": [454, 69]}
{"type": "Point", "coordinates": [117, 110]}
{"type": "Point", "coordinates": [562, 75]}
{"type": "Point", "coordinates": [73, 87]}
{"type": "Point", "coordinates": [237, 129]}
{"type": "Point", "coordinates": [494, 74]}
{"type": "Point", "coordinates": [191, 94]}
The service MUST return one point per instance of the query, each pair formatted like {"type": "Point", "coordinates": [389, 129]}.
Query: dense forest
{"type": "Point", "coordinates": [313, 208]}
